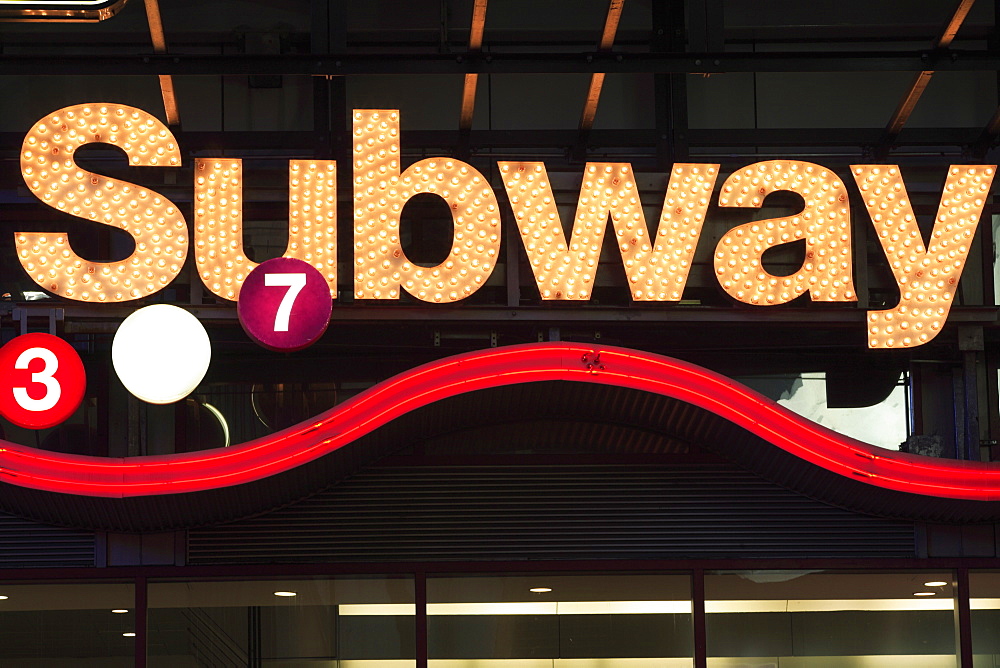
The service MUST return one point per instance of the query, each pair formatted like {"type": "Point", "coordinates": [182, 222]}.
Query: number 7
{"type": "Point", "coordinates": [294, 282]}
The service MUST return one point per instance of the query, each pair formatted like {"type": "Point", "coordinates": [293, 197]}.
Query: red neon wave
{"type": "Point", "coordinates": [338, 427]}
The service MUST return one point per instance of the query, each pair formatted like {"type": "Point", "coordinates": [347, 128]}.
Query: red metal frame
{"type": "Point", "coordinates": [621, 367]}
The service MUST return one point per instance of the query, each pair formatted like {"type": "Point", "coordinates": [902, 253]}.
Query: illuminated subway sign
{"type": "Point", "coordinates": [564, 267]}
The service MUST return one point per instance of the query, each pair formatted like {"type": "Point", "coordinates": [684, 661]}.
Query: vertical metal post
{"type": "Point", "coordinates": [698, 618]}
{"type": "Point", "coordinates": [963, 619]}
{"type": "Point", "coordinates": [141, 634]}
{"type": "Point", "coordinates": [321, 117]}
{"type": "Point", "coordinates": [254, 659]}
{"type": "Point", "coordinates": [319, 42]}
{"type": "Point", "coordinates": [988, 243]}
{"type": "Point", "coordinates": [420, 621]}
{"type": "Point", "coordinates": [670, 90]}
{"type": "Point", "coordinates": [705, 25]}
{"type": "Point", "coordinates": [971, 343]}
{"type": "Point", "coordinates": [987, 250]}
{"type": "Point", "coordinates": [958, 406]}
{"type": "Point", "coordinates": [992, 402]}
{"type": "Point", "coordinates": [330, 114]}
{"type": "Point", "coordinates": [971, 394]}
{"type": "Point", "coordinates": [135, 432]}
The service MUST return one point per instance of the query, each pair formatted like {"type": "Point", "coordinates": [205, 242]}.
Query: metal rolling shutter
{"type": "Point", "coordinates": [28, 544]}
{"type": "Point", "coordinates": [551, 512]}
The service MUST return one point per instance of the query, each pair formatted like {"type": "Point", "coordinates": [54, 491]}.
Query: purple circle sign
{"type": "Point", "coordinates": [284, 304]}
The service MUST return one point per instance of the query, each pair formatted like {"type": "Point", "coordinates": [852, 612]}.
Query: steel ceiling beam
{"type": "Point", "coordinates": [597, 78]}
{"type": "Point", "coordinates": [634, 313]}
{"type": "Point", "coordinates": [160, 46]}
{"type": "Point", "coordinates": [795, 140]}
{"type": "Point", "coordinates": [501, 63]}
{"type": "Point", "coordinates": [472, 78]}
{"type": "Point", "coordinates": [916, 89]}
{"type": "Point", "coordinates": [522, 38]}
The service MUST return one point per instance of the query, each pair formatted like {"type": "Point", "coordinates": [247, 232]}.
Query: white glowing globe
{"type": "Point", "coordinates": [161, 353]}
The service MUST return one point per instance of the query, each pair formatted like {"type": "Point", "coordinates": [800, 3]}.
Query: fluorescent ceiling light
{"type": "Point", "coordinates": [522, 608]}
{"type": "Point", "coordinates": [660, 662]}
{"type": "Point", "coordinates": [851, 661]}
{"type": "Point", "coordinates": [382, 663]}
{"type": "Point", "coordinates": [830, 605]}
{"type": "Point", "coordinates": [507, 608]}
{"type": "Point", "coordinates": [377, 609]}
{"type": "Point", "coordinates": [985, 603]}
{"type": "Point", "coordinates": [658, 607]}
{"type": "Point", "coordinates": [624, 607]}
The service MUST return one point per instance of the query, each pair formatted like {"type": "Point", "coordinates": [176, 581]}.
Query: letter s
{"type": "Point", "coordinates": [155, 223]}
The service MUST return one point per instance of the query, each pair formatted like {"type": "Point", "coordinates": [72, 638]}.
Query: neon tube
{"type": "Point", "coordinates": [496, 367]}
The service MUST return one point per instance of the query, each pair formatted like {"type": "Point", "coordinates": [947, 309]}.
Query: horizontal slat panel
{"type": "Point", "coordinates": [24, 543]}
{"type": "Point", "coordinates": [551, 512]}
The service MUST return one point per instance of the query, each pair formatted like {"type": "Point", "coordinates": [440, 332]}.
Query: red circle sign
{"type": "Point", "coordinates": [42, 381]}
{"type": "Point", "coordinates": [284, 304]}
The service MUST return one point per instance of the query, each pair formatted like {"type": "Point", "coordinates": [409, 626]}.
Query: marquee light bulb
{"type": "Point", "coordinates": [927, 277]}
{"type": "Point", "coordinates": [381, 267]}
{"type": "Point", "coordinates": [218, 220]}
{"type": "Point", "coordinates": [156, 225]}
{"type": "Point", "coordinates": [656, 270]}
{"type": "Point", "coordinates": [824, 223]}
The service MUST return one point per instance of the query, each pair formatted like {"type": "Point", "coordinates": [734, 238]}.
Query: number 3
{"type": "Point", "coordinates": [53, 391]}
{"type": "Point", "coordinates": [294, 282]}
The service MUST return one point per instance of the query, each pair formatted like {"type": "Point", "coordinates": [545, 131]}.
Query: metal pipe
{"type": "Point", "coordinates": [472, 78]}
{"type": "Point", "coordinates": [920, 81]}
{"type": "Point", "coordinates": [160, 46]}
{"type": "Point", "coordinates": [597, 78]}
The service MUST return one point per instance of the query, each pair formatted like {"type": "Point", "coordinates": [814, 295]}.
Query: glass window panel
{"type": "Point", "coordinates": [67, 625]}
{"type": "Point", "coordinates": [820, 619]}
{"type": "Point", "coordinates": [560, 621]}
{"type": "Point", "coordinates": [883, 424]}
{"type": "Point", "coordinates": [984, 592]}
{"type": "Point", "coordinates": [364, 622]}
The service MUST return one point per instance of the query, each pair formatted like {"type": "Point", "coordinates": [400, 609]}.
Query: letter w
{"type": "Point", "coordinates": [656, 269]}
